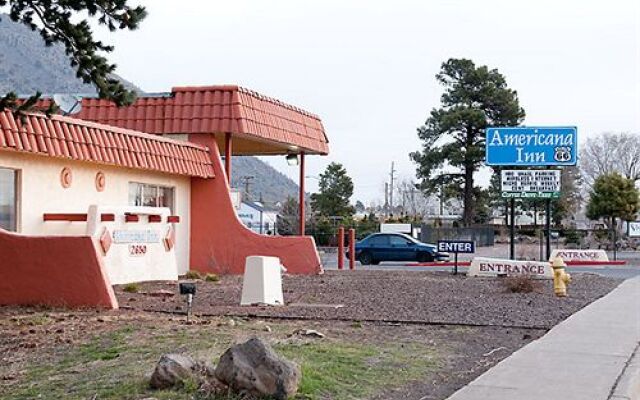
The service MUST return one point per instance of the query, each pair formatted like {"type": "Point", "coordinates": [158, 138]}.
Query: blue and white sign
{"type": "Point", "coordinates": [532, 146]}
{"type": "Point", "coordinates": [457, 246]}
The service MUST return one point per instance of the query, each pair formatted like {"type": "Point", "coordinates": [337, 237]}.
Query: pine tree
{"type": "Point", "coordinates": [57, 22]}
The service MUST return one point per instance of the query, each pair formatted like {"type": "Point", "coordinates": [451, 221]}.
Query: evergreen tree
{"type": "Point", "coordinates": [613, 197]}
{"type": "Point", "coordinates": [57, 22]}
{"type": "Point", "coordinates": [336, 188]}
{"type": "Point", "coordinates": [454, 135]}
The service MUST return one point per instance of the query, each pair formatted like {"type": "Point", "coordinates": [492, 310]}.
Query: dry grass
{"type": "Point", "coordinates": [131, 288]}
{"type": "Point", "coordinates": [522, 284]}
{"type": "Point", "coordinates": [191, 274]}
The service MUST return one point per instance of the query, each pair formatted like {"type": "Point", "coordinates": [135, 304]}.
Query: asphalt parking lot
{"type": "Point", "coordinates": [629, 270]}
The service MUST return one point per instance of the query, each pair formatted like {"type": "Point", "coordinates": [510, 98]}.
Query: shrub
{"type": "Point", "coordinates": [572, 236]}
{"type": "Point", "coordinates": [131, 288]}
{"type": "Point", "coordinates": [191, 274]}
{"type": "Point", "coordinates": [211, 278]}
{"type": "Point", "coordinates": [522, 284]}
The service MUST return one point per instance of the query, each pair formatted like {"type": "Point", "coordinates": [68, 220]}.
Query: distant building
{"type": "Point", "coordinates": [260, 219]}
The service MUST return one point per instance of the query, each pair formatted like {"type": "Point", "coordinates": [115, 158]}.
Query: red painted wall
{"type": "Point", "coordinates": [220, 243]}
{"type": "Point", "coordinates": [52, 270]}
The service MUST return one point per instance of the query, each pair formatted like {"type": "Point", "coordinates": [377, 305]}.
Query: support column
{"type": "Point", "coordinates": [301, 199]}
{"type": "Point", "coordinates": [227, 156]}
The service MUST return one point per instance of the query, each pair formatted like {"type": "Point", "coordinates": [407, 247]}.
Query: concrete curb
{"type": "Point", "coordinates": [628, 385]}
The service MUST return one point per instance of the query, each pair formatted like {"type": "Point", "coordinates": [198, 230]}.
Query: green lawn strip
{"type": "Point", "coordinates": [342, 370]}
{"type": "Point", "coordinates": [116, 365]}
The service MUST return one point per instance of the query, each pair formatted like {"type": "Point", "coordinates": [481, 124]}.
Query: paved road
{"type": "Point", "coordinates": [330, 261]}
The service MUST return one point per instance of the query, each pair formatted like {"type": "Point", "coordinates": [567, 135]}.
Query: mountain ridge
{"type": "Point", "coordinates": [27, 65]}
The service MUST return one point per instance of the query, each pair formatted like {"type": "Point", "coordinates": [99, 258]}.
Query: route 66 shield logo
{"type": "Point", "coordinates": [562, 154]}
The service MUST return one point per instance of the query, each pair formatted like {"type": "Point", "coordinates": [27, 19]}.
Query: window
{"type": "Point", "coordinates": [398, 241]}
{"type": "Point", "coordinates": [8, 199]}
{"type": "Point", "coordinates": [142, 194]}
{"type": "Point", "coordinates": [379, 240]}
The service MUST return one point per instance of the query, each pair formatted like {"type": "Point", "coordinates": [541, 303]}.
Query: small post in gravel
{"type": "Point", "coordinates": [341, 247]}
{"type": "Point", "coordinates": [352, 248]}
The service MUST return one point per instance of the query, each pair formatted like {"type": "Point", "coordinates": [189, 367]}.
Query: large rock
{"type": "Point", "coordinates": [254, 367]}
{"type": "Point", "coordinates": [172, 370]}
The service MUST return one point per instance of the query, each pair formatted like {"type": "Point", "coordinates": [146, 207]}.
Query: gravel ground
{"type": "Point", "coordinates": [397, 296]}
{"type": "Point", "coordinates": [32, 337]}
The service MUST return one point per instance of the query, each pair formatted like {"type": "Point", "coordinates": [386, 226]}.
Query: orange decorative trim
{"type": "Point", "coordinates": [131, 218]}
{"type": "Point", "coordinates": [107, 217]}
{"type": "Point", "coordinates": [155, 218]}
{"type": "Point", "coordinates": [173, 219]}
{"type": "Point", "coordinates": [66, 177]}
{"type": "Point", "coordinates": [105, 241]}
{"type": "Point", "coordinates": [65, 217]}
{"type": "Point", "coordinates": [170, 238]}
{"type": "Point", "coordinates": [101, 181]}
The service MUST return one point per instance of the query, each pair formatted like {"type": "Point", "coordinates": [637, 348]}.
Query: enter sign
{"type": "Point", "coordinates": [457, 246]}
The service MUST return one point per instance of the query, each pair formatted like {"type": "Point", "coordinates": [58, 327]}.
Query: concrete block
{"type": "Point", "coordinates": [262, 282]}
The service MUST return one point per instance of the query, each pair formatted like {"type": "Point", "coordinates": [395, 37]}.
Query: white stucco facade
{"type": "Point", "coordinates": [40, 191]}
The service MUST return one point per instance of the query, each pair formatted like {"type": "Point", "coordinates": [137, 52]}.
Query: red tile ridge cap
{"type": "Point", "coordinates": [250, 92]}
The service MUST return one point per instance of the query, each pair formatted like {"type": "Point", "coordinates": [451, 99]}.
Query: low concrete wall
{"type": "Point", "coordinates": [52, 270]}
{"type": "Point", "coordinates": [221, 243]}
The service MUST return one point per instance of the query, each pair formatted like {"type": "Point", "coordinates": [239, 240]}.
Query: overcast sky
{"type": "Point", "coordinates": [367, 67]}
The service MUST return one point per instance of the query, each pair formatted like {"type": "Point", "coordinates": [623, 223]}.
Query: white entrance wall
{"type": "Point", "coordinates": [40, 191]}
{"type": "Point", "coordinates": [485, 267]}
{"type": "Point", "coordinates": [137, 251]}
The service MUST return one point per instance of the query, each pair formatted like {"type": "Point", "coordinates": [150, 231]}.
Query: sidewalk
{"type": "Point", "coordinates": [592, 355]}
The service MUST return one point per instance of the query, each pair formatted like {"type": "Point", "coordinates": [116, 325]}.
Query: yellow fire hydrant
{"type": "Point", "coordinates": [560, 277]}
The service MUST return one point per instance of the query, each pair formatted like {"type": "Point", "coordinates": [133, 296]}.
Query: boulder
{"type": "Point", "coordinates": [172, 370]}
{"type": "Point", "coordinates": [253, 367]}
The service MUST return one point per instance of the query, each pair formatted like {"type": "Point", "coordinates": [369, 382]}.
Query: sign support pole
{"type": "Point", "coordinates": [615, 239]}
{"type": "Point", "coordinates": [455, 265]}
{"type": "Point", "coordinates": [547, 226]}
{"type": "Point", "coordinates": [512, 230]}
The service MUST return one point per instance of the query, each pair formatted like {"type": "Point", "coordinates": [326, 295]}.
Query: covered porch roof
{"type": "Point", "coordinates": [260, 125]}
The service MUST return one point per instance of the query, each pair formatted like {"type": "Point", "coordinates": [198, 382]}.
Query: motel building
{"type": "Point", "coordinates": [114, 195]}
{"type": "Point", "coordinates": [257, 217]}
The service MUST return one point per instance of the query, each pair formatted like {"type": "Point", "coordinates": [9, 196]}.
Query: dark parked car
{"type": "Point", "coordinates": [379, 247]}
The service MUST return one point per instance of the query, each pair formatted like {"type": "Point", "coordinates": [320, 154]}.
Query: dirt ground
{"type": "Point", "coordinates": [392, 296]}
{"type": "Point", "coordinates": [33, 340]}
{"type": "Point", "coordinates": [402, 335]}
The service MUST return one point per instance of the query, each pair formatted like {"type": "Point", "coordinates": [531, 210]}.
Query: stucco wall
{"type": "Point", "coordinates": [41, 192]}
{"type": "Point", "coordinates": [55, 271]}
{"type": "Point", "coordinates": [221, 243]}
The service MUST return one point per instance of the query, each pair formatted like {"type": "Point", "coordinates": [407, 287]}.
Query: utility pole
{"type": "Point", "coordinates": [247, 182]}
{"type": "Point", "coordinates": [386, 199]}
{"type": "Point", "coordinates": [392, 174]}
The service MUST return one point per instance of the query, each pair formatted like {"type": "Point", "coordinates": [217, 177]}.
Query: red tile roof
{"type": "Point", "coordinates": [211, 109]}
{"type": "Point", "coordinates": [80, 140]}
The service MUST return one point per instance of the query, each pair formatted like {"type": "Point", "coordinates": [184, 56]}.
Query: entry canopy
{"type": "Point", "coordinates": [260, 125]}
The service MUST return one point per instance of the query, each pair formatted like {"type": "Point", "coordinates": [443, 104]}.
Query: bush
{"type": "Point", "coordinates": [572, 236]}
{"type": "Point", "coordinates": [191, 274]}
{"type": "Point", "coordinates": [131, 288]}
{"type": "Point", "coordinates": [522, 284]}
{"type": "Point", "coordinates": [211, 278]}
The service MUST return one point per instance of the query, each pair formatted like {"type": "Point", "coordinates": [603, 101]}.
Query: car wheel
{"type": "Point", "coordinates": [425, 257]}
{"type": "Point", "coordinates": [365, 259]}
